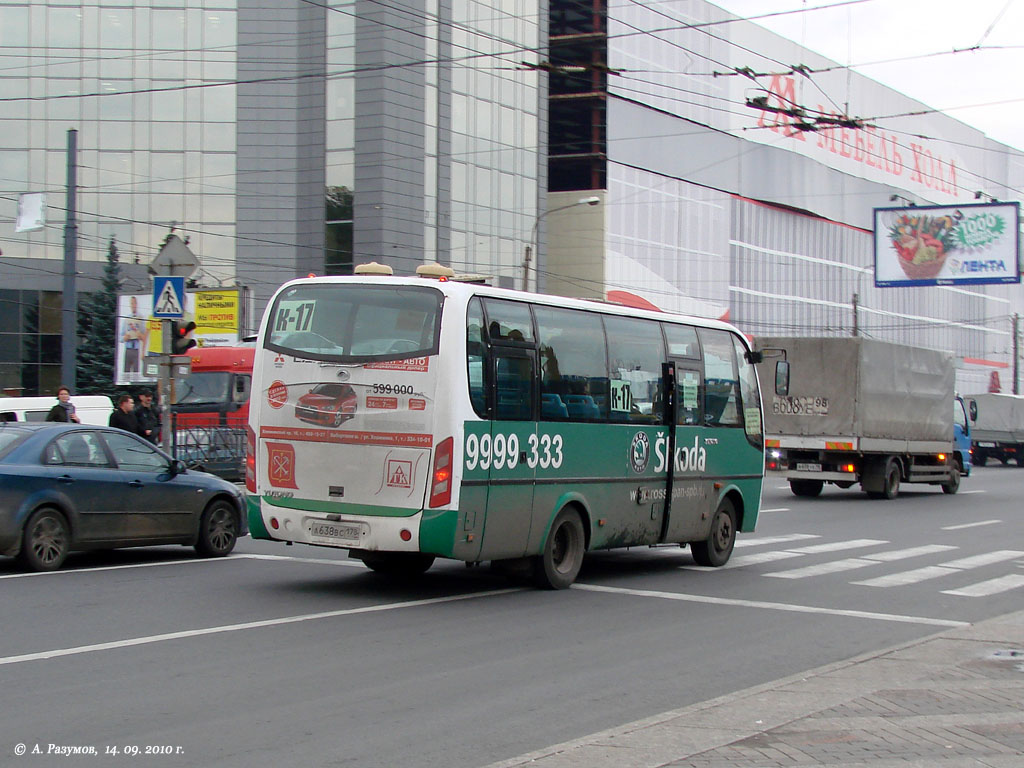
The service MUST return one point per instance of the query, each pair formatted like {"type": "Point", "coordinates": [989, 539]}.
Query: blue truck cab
{"type": "Point", "coordinates": [961, 435]}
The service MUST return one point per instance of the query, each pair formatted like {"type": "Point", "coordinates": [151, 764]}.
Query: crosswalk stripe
{"type": "Point", "coordinates": [988, 558]}
{"type": "Point", "coordinates": [903, 554]}
{"type": "Point", "coordinates": [937, 571]}
{"type": "Point", "coordinates": [852, 563]}
{"type": "Point", "coordinates": [764, 540]}
{"type": "Point", "coordinates": [990, 587]}
{"type": "Point", "coordinates": [786, 554]}
{"type": "Point", "coordinates": [837, 546]}
{"type": "Point", "coordinates": [908, 577]}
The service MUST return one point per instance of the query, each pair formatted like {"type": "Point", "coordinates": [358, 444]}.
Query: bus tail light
{"type": "Point", "coordinates": [250, 459]}
{"type": "Point", "coordinates": [441, 479]}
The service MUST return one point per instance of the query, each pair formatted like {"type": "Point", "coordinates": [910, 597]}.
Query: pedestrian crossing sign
{"type": "Point", "coordinates": [168, 296]}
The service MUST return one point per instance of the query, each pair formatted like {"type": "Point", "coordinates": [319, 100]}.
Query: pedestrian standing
{"type": "Point", "coordinates": [123, 416]}
{"type": "Point", "coordinates": [64, 410]}
{"type": "Point", "coordinates": [149, 422]}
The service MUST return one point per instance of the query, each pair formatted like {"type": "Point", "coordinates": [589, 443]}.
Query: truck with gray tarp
{"type": "Point", "coordinates": [997, 427]}
{"type": "Point", "coordinates": [858, 410]}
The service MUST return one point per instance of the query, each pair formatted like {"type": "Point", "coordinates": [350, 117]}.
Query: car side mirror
{"type": "Point", "coordinates": [782, 378]}
{"type": "Point", "coordinates": [178, 467]}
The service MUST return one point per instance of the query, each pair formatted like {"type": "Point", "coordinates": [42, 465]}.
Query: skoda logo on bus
{"type": "Point", "coordinates": [640, 452]}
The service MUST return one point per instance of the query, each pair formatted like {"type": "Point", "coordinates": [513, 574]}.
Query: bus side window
{"type": "Point", "coordinates": [476, 358]}
{"type": "Point", "coordinates": [636, 351]}
{"type": "Point", "coordinates": [721, 382]}
{"type": "Point", "coordinates": [509, 322]}
{"type": "Point", "coordinates": [573, 365]}
{"type": "Point", "coordinates": [514, 392]}
{"type": "Point", "coordinates": [749, 395]}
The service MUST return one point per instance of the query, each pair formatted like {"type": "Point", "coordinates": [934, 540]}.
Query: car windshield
{"type": "Point", "coordinates": [329, 390]}
{"type": "Point", "coordinates": [204, 388]}
{"type": "Point", "coordinates": [10, 438]}
{"type": "Point", "coordinates": [355, 323]}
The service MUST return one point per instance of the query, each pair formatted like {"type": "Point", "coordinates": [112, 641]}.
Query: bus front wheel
{"type": "Point", "coordinates": [560, 563]}
{"type": "Point", "coordinates": [400, 564]}
{"type": "Point", "coordinates": [717, 547]}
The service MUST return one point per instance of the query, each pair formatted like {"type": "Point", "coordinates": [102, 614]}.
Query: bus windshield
{"type": "Point", "coordinates": [349, 323]}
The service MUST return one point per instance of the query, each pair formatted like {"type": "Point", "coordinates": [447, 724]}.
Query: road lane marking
{"type": "Point", "coordinates": [976, 490]}
{"type": "Point", "coordinates": [990, 587]}
{"type": "Point", "coordinates": [789, 607]}
{"type": "Point", "coordinates": [777, 509]}
{"type": "Point", "coordinates": [356, 563]}
{"type": "Point", "coordinates": [121, 567]}
{"type": "Point", "coordinates": [81, 649]}
{"type": "Point", "coordinates": [970, 525]}
{"type": "Point", "coordinates": [852, 563]}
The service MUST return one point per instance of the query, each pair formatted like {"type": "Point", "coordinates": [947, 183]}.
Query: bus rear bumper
{"type": "Point", "coordinates": [363, 532]}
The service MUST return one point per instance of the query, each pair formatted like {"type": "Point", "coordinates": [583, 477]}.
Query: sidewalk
{"type": "Point", "coordinates": [952, 700]}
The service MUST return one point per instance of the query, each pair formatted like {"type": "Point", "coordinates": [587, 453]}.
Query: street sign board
{"type": "Point", "coordinates": [175, 259]}
{"type": "Point", "coordinates": [168, 297]}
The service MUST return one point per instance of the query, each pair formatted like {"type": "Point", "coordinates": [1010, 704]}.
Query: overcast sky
{"type": "Point", "coordinates": [875, 30]}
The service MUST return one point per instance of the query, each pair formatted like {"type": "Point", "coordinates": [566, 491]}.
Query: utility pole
{"type": "Point", "coordinates": [856, 322]}
{"type": "Point", "coordinates": [1016, 353]}
{"type": "Point", "coordinates": [69, 303]}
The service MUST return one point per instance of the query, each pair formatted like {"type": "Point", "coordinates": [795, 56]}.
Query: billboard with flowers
{"type": "Point", "coordinates": [947, 245]}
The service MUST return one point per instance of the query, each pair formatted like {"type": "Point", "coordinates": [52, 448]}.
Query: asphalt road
{"type": "Point", "coordinates": [293, 655]}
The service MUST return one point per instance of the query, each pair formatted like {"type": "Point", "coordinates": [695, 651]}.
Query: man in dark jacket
{"type": "Point", "coordinates": [123, 416]}
{"type": "Point", "coordinates": [149, 422]}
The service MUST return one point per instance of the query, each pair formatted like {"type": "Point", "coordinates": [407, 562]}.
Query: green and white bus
{"type": "Point", "coordinates": [405, 419]}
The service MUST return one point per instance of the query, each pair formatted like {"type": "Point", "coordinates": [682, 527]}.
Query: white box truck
{"type": "Point", "coordinates": [997, 427]}
{"type": "Point", "coordinates": [860, 411]}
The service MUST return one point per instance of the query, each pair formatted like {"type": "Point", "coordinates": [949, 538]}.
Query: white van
{"type": "Point", "coordinates": [90, 409]}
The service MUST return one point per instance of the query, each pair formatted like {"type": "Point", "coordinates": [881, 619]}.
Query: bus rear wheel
{"type": "Point", "coordinates": [716, 549]}
{"type": "Point", "coordinates": [560, 563]}
{"type": "Point", "coordinates": [401, 564]}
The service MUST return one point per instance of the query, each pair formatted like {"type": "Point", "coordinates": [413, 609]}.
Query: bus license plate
{"type": "Point", "coordinates": [808, 467]}
{"type": "Point", "coordinates": [334, 533]}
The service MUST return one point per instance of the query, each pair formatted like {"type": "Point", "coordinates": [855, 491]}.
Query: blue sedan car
{"type": "Point", "coordinates": [70, 487]}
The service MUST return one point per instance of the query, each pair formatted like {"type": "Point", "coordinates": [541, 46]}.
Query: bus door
{"type": "Point", "coordinates": [512, 444]}
{"type": "Point", "coordinates": [689, 489]}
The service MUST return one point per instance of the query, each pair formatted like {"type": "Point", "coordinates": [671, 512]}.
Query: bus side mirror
{"type": "Point", "coordinates": [782, 378]}
{"type": "Point", "coordinates": [974, 410]}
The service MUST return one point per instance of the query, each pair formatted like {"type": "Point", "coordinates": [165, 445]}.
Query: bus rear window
{"type": "Point", "coordinates": [351, 323]}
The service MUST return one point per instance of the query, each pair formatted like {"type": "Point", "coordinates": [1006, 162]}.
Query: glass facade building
{"type": "Point", "coordinates": [281, 137]}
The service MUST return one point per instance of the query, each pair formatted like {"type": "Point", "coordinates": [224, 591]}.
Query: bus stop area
{"type": "Point", "coordinates": [950, 700]}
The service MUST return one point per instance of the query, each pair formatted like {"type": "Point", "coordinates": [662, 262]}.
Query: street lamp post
{"type": "Point", "coordinates": [592, 200]}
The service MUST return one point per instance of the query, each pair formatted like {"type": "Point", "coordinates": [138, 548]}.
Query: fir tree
{"type": "Point", "coordinates": [97, 331]}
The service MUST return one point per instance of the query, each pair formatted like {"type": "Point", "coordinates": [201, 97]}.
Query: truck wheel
{"type": "Point", "coordinates": [808, 488]}
{"type": "Point", "coordinates": [717, 547]}
{"type": "Point", "coordinates": [891, 489]}
{"type": "Point", "coordinates": [890, 481]}
{"type": "Point", "coordinates": [979, 459]}
{"type": "Point", "coordinates": [952, 485]}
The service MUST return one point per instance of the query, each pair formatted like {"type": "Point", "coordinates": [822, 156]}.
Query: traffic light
{"type": "Point", "coordinates": [180, 341]}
